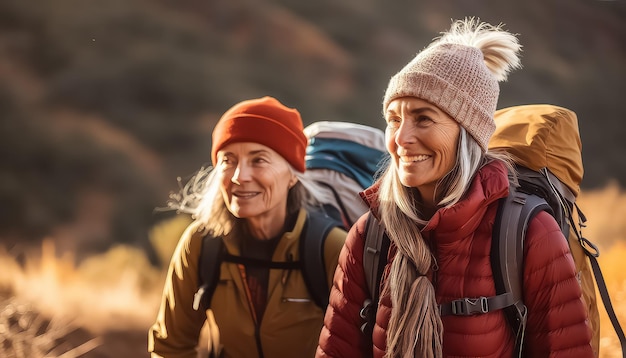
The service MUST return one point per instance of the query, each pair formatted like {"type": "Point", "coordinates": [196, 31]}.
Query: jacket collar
{"type": "Point", "coordinates": [489, 184]}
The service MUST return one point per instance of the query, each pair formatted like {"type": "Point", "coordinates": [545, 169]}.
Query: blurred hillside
{"type": "Point", "coordinates": [104, 104]}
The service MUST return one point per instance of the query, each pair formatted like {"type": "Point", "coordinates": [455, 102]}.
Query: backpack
{"type": "Point", "coordinates": [343, 158]}
{"type": "Point", "coordinates": [311, 251]}
{"type": "Point", "coordinates": [545, 144]}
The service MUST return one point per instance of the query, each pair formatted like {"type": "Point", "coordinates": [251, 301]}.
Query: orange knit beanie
{"type": "Point", "coordinates": [265, 121]}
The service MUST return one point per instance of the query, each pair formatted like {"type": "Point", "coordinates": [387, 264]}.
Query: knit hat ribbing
{"type": "Point", "coordinates": [456, 78]}
{"type": "Point", "coordinates": [265, 121]}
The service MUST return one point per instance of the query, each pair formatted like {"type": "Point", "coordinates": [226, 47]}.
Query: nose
{"type": "Point", "coordinates": [241, 174]}
{"type": "Point", "coordinates": [404, 134]}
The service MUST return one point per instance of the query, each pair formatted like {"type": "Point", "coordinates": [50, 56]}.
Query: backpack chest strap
{"type": "Point", "coordinates": [479, 305]}
{"type": "Point", "coordinates": [249, 261]}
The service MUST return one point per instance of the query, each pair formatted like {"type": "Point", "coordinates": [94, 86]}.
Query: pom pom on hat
{"type": "Point", "coordinates": [265, 121]}
{"type": "Point", "coordinates": [459, 73]}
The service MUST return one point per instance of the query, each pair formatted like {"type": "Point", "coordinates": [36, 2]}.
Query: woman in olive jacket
{"type": "Point", "coordinates": [437, 200]}
{"type": "Point", "coordinates": [256, 201]}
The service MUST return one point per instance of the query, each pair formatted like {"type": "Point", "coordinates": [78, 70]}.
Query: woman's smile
{"type": "Point", "coordinates": [243, 195]}
{"type": "Point", "coordinates": [414, 158]}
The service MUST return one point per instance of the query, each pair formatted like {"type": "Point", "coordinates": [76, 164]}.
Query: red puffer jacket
{"type": "Point", "coordinates": [461, 240]}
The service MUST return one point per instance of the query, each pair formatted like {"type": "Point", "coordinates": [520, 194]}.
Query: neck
{"type": "Point", "coordinates": [264, 229]}
{"type": "Point", "coordinates": [426, 203]}
{"type": "Point", "coordinates": [268, 227]}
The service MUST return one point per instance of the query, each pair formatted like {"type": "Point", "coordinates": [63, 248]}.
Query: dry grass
{"type": "Point", "coordinates": [50, 307]}
{"type": "Point", "coordinates": [25, 333]}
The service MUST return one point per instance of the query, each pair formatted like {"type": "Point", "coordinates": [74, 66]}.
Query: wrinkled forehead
{"type": "Point", "coordinates": [246, 148]}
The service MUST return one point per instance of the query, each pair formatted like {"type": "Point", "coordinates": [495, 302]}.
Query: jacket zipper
{"type": "Point", "coordinates": [257, 324]}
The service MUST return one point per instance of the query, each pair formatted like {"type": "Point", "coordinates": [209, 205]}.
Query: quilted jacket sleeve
{"type": "Point", "coordinates": [341, 335]}
{"type": "Point", "coordinates": [557, 317]}
{"type": "Point", "coordinates": [177, 329]}
{"type": "Point", "coordinates": [332, 248]}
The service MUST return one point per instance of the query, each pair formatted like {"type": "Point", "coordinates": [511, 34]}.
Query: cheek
{"type": "Point", "coordinates": [277, 182]}
{"type": "Point", "coordinates": [225, 180]}
{"type": "Point", "coordinates": [449, 148]}
{"type": "Point", "coordinates": [390, 141]}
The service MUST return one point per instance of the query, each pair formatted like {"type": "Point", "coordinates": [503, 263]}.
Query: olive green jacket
{"type": "Point", "coordinates": [291, 323]}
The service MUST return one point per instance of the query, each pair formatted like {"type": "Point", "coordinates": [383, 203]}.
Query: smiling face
{"type": "Point", "coordinates": [422, 140]}
{"type": "Point", "coordinates": [255, 181]}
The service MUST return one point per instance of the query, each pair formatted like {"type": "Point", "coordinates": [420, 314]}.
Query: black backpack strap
{"type": "Point", "coordinates": [592, 252]}
{"type": "Point", "coordinates": [249, 261]}
{"type": "Point", "coordinates": [375, 251]}
{"type": "Point", "coordinates": [507, 259]}
{"type": "Point", "coordinates": [211, 257]}
{"type": "Point", "coordinates": [507, 254]}
{"type": "Point", "coordinates": [606, 300]}
{"type": "Point", "coordinates": [316, 229]}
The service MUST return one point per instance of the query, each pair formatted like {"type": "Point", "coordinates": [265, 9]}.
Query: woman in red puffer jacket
{"type": "Point", "coordinates": [437, 200]}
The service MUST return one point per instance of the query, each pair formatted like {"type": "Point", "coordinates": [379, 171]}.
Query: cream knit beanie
{"type": "Point", "coordinates": [459, 73]}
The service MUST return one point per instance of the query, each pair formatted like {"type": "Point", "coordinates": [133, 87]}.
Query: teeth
{"type": "Point", "coordinates": [415, 158]}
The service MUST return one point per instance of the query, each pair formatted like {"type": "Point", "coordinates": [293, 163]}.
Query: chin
{"type": "Point", "coordinates": [408, 179]}
{"type": "Point", "coordinates": [408, 182]}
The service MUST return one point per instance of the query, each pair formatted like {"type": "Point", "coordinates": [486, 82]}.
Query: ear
{"type": "Point", "coordinates": [293, 181]}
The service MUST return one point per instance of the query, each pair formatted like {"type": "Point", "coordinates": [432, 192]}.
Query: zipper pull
{"type": "Point", "coordinates": [197, 297]}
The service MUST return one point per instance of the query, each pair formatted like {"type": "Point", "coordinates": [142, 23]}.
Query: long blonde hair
{"type": "Point", "coordinates": [415, 327]}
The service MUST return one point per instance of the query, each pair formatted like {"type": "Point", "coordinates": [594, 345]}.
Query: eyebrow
{"type": "Point", "coordinates": [415, 111]}
{"type": "Point", "coordinates": [259, 151]}
{"type": "Point", "coordinates": [252, 152]}
{"type": "Point", "coordinates": [422, 110]}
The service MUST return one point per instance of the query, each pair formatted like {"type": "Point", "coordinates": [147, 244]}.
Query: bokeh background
{"type": "Point", "coordinates": [106, 106]}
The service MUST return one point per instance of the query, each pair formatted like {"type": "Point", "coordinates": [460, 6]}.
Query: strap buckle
{"type": "Point", "coordinates": [470, 306]}
{"type": "Point", "coordinates": [367, 313]}
{"type": "Point", "coordinates": [366, 310]}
